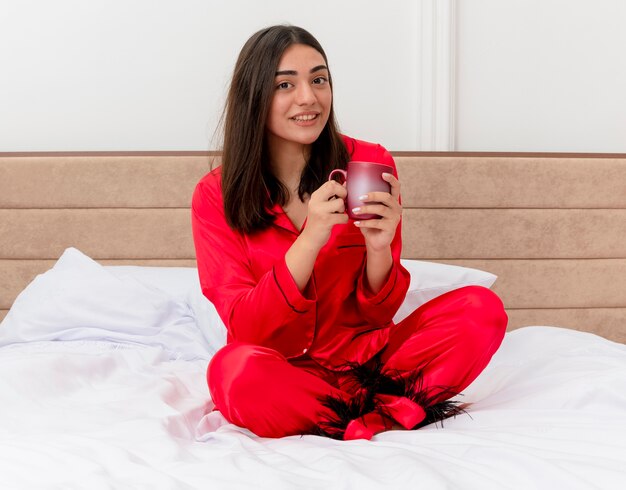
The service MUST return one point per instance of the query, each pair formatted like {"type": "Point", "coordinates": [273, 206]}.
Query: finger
{"type": "Point", "coordinates": [327, 207]}
{"type": "Point", "coordinates": [370, 223]}
{"type": "Point", "coordinates": [381, 197]}
{"type": "Point", "coordinates": [378, 209]}
{"type": "Point", "coordinates": [332, 189]}
{"type": "Point", "coordinates": [336, 219]}
{"type": "Point", "coordinates": [325, 191]}
{"type": "Point", "coordinates": [394, 183]}
{"type": "Point", "coordinates": [341, 191]}
{"type": "Point", "coordinates": [333, 206]}
{"type": "Point", "coordinates": [388, 209]}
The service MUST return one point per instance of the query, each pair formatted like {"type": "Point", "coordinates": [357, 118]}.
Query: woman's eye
{"type": "Point", "coordinates": [320, 80]}
{"type": "Point", "coordinates": [284, 85]}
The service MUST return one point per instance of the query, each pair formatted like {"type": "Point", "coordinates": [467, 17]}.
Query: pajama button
{"type": "Point", "coordinates": [304, 351]}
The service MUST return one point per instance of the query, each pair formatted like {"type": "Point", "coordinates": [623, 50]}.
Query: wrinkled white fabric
{"type": "Point", "coordinates": [78, 299]}
{"type": "Point", "coordinates": [549, 412]}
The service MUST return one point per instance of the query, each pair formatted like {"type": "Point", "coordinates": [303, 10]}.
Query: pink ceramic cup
{"type": "Point", "coordinates": [362, 178]}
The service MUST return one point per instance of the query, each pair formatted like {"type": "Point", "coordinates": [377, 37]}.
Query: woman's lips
{"type": "Point", "coordinates": [305, 119]}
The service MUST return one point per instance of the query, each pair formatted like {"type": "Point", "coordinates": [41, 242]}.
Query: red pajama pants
{"type": "Point", "coordinates": [451, 339]}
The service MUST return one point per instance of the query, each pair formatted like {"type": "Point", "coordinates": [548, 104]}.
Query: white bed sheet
{"type": "Point", "coordinates": [548, 412]}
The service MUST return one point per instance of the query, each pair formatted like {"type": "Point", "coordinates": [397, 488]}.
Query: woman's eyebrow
{"type": "Point", "coordinates": [294, 72]}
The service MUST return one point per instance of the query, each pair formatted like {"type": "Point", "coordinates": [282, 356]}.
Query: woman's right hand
{"type": "Point", "coordinates": [326, 209]}
{"type": "Point", "coordinates": [324, 212]}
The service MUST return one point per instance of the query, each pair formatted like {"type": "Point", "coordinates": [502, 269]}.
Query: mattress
{"type": "Point", "coordinates": [102, 376]}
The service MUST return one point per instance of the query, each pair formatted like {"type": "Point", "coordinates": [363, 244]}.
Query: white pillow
{"type": "Point", "coordinates": [78, 299]}
{"type": "Point", "coordinates": [430, 279]}
{"type": "Point", "coordinates": [182, 284]}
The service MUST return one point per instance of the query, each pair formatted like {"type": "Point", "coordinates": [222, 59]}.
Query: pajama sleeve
{"type": "Point", "coordinates": [269, 311]}
{"type": "Point", "coordinates": [379, 308]}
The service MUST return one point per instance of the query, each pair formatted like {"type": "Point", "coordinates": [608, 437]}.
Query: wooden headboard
{"type": "Point", "coordinates": [552, 227]}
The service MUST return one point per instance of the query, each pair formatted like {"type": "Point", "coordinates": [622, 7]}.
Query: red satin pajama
{"type": "Point", "coordinates": [455, 334]}
{"type": "Point", "coordinates": [329, 359]}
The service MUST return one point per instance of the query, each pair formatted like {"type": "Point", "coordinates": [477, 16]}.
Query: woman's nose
{"type": "Point", "coordinates": [305, 94]}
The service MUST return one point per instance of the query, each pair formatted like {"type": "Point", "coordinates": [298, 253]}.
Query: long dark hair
{"type": "Point", "coordinates": [249, 188]}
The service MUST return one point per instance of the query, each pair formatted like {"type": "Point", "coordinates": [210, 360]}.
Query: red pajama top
{"type": "Point", "coordinates": [334, 320]}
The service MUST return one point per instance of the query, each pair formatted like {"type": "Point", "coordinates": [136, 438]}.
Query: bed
{"type": "Point", "coordinates": [105, 336]}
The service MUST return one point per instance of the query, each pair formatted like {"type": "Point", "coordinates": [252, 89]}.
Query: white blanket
{"type": "Point", "coordinates": [548, 412]}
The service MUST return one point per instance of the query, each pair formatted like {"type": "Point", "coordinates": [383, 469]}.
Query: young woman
{"type": "Point", "coordinates": [308, 295]}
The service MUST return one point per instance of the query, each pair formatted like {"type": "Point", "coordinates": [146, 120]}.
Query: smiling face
{"type": "Point", "coordinates": [302, 98]}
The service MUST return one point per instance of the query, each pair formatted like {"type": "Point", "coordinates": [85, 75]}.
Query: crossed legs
{"type": "Point", "coordinates": [433, 354]}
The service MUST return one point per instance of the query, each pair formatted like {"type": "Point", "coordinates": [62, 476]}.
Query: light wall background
{"type": "Point", "coordinates": [541, 75]}
{"type": "Point", "coordinates": [506, 75]}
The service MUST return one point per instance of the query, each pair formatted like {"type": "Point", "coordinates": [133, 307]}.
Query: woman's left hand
{"type": "Point", "coordinates": [379, 232]}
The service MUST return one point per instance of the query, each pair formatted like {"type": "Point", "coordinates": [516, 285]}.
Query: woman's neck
{"type": "Point", "coordinates": [288, 161]}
